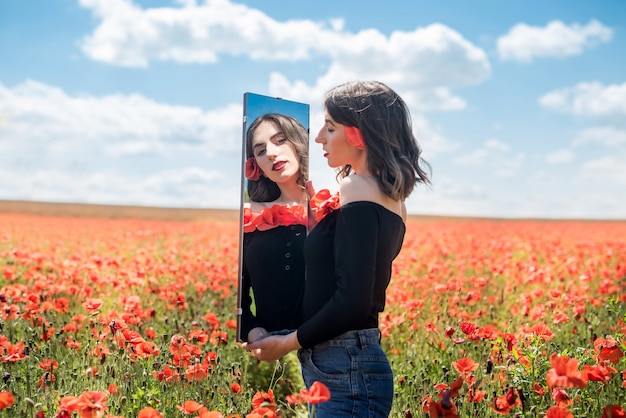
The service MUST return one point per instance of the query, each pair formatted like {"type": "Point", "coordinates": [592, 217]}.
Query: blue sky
{"type": "Point", "coordinates": [520, 107]}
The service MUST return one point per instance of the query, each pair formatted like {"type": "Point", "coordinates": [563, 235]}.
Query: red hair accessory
{"type": "Point", "coordinates": [354, 136]}
{"type": "Point", "coordinates": [253, 172]}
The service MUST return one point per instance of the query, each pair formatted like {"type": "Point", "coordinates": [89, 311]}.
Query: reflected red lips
{"type": "Point", "coordinates": [279, 165]}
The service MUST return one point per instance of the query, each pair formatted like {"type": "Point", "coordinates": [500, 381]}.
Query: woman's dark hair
{"type": "Point", "coordinates": [393, 154]}
{"type": "Point", "coordinates": [265, 190]}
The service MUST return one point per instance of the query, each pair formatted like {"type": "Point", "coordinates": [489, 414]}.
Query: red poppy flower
{"type": "Point", "coordinates": [504, 403]}
{"type": "Point", "coordinates": [468, 328]}
{"type": "Point", "coordinates": [6, 400]}
{"type": "Point", "coordinates": [599, 373]}
{"type": "Point", "coordinates": [561, 398]}
{"type": "Point", "coordinates": [146, 349]}
{"type": "Point", "coordinates": [49, 364]}
{"type": "Point", "coordinates": [92, 304]}
{"type": "Point", "coordinates": [212, 320]}
{"type": "Point", "coordinates": [199, 336]}
{"type": "Point", "coordinates": [190, 407]}
{"type": "Point", "coordinates": [613, 411]}
{"type": "Point", "coordinates": [113, 389]}
{"type": "Point", "coordinates": [205, 413]}
{"type": "Point", "coordinates": [149, 412]}
{"type": "Point", "coordinates": [317, 393]}
{"type": "Point", "coordinates": [608, 349]}
{"type": "Point", "coordinates": [465, 365]}
{"type": "Point", "coordinates": [559, 412]}
{"type": "Point", "coordinates": [564, 373]}
{"type": "Point", "coordinates": [263, 399]}
{"type": "Point", "coordinates": [167, 375]}
{"type": "Point", "coordinates": [91, 404]}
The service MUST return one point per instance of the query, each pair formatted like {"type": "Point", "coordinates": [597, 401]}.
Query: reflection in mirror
{"type": "Point", "coordinates": [273, 216]}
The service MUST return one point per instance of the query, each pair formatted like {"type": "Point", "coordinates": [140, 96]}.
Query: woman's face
{"type": "Point", "coordinates": [275, 155]}
{"type": "Point", "coordinates": [336, 148]}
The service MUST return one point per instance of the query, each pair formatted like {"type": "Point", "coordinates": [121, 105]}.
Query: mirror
{"type": "Point", "coordinates": [273, 215]}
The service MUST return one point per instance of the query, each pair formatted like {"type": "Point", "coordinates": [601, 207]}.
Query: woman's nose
{"type": "Point", "coordinates": [320, 136]}
{"type": "Point", "coordinates": [271, 150]}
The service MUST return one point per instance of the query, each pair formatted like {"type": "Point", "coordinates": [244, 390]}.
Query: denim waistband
{"type": "Point", "coordinates": [361, 337]}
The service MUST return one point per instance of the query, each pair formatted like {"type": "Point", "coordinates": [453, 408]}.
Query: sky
{"type": "Point", "coordinates": [519, 106]}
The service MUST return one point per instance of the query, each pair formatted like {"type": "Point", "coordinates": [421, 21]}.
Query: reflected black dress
{"type": "Point", "coordinates": [273, 278]}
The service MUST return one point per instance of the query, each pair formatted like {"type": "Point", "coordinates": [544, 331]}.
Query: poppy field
{"type": "Point", "coordinates": [136, 318]}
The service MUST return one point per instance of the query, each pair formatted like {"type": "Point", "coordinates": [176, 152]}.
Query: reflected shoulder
{"type": "Point", "coordinates": [255, 207]}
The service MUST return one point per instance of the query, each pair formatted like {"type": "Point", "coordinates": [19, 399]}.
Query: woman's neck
{"type": "Point", "coordinates": [291, 195]}
{"type": "Point", "coordinates": [360, 166]}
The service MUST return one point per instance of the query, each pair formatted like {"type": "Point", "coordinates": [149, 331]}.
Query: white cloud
{"type": "Point", "coordinates": [608, 136]}
{"type": "Point", "coordinates": [423, 64]}
{"type": "Point", "coordinates": [36, 115]}
{"type": "Point", "coordinates": [524, 42]}
{"type": "Point", "coordinates": [189, 187]}
{"type": "Point", "coordinates": [494, 144]}
{"type": "Point", "coordinates": [589, 99]}
{"type": "Point", "coordinates": [562, 156]}
{"type": "Point", "coordinates": [130, 36]}
{"type": "Point", "coordinates": [116, 149]}
{"type": "Point", "coordinates": [609, 168]}
{"type": "Point", "coordinates": [493, 156]}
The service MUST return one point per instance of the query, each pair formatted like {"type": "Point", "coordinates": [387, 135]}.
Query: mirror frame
{"type": "Point", "coordinates": [255, 105]}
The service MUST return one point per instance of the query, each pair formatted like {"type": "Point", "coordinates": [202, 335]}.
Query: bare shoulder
{"type": "Point", "coordinates": [356, 188]}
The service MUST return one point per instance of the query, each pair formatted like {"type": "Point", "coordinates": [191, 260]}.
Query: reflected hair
{"type": "Point", "coordinates": [264, 189]}
{"type": "Point", "coordinates": [393, 153]}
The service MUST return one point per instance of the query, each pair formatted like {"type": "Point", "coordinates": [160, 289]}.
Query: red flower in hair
{"type": "Point", "coordinates": [354, 136]}
{"type": "Point", "coordinates": [253, 172]}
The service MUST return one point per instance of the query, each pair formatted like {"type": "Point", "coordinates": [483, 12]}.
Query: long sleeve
{"type": "Point", "coordinates": [351, 305]}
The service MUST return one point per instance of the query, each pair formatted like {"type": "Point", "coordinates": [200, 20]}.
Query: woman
{"type": "Point", "coordinates": [274, 226]}
{"type": "Point", "coordinates": [367, 136]}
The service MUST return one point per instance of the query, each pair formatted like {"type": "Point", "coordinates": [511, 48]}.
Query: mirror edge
{"type": "Point", "coordinates": [241, 203]}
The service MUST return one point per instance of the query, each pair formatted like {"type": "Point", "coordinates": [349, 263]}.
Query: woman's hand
{"type": "Point", "coordinates": [273, 347]}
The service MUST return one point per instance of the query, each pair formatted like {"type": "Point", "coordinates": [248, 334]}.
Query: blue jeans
{"type": "Point", "coordinates": [355, 369]}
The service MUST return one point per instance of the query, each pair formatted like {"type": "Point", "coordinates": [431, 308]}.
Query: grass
{"type": "Point", "coordinates": [136, 309]}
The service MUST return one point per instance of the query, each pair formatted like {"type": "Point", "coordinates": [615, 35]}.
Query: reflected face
{"type": "Point", "coordinates": [275, 155]}
{"type": "Point", "coordinates": [336, 148]}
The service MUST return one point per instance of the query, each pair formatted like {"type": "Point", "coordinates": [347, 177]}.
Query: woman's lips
{"type": "Point", "coordinates": [278, 165]}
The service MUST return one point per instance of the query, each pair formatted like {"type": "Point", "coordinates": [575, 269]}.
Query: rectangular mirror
{"type": "Point", "coordinates": [273, 215]}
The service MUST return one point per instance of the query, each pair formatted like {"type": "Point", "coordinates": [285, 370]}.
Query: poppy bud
{"type": "Point", "coordinates": [449, 332]}
{"type": "Point", "coordinates": [446, 402]}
